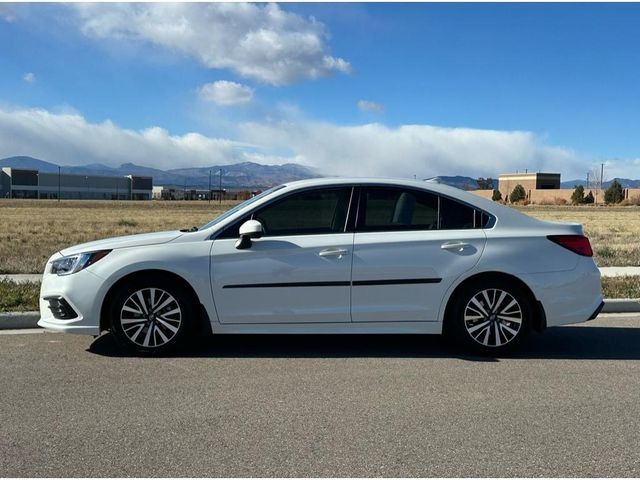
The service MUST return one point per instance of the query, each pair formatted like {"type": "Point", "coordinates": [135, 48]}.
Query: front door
{"type": "Point", "coordinates": [298, 272]}
{"type": "Point", "coordinates": [409, 247]}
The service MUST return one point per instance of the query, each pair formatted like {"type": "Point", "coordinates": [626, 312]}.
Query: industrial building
{"type": "Point", "coordinates": [529, 181]}
{"type": "Point", "coordinates": [27, 183]}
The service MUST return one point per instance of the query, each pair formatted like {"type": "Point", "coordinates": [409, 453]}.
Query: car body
{"type": "Point", "coordinates": [343, 255]}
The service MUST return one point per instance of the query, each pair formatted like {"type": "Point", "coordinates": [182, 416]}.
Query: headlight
{"type": "Point", "coordinates": [75, 263]}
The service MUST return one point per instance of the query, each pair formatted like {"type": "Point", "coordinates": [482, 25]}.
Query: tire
{"type": "Point", "coordinates": [151, 315]}
{"type": "Point", "coordinates": [491, 317]}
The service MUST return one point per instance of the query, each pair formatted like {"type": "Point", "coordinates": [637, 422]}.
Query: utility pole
{"type": "Point", "coordinates": [209, 194]}
{"type": "Point", "coordinates": [58, 183]}
{"type": "Point", "coordinates": [601, 174]}
{"type": "Point", "coordinates": [220, 187]}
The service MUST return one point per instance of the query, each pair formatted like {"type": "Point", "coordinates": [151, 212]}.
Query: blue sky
{"type": "Point", "coordinates": [379, 89]}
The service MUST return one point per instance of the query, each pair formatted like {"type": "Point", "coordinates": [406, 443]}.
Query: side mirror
{"type": "Point", "coordinates": [248, 230]}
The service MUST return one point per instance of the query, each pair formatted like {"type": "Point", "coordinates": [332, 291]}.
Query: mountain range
{"type": "Point", "coordinates": [238, 175]}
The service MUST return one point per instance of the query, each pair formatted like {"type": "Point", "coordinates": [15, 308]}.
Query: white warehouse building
{"type": "Point", "coordinates": [27, 183]}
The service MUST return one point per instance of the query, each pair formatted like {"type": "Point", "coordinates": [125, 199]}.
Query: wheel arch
{"type": "Point", "coordinates": [202, 319]}
{"type": "Point", "coordinates": [539, 320]}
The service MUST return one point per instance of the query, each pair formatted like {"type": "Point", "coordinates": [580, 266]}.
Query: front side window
{"type": "Point", "coordinates": [306, 213]}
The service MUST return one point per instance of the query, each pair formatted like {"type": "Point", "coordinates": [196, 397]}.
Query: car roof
{"type": "Point", "coordinates": [503, 213]}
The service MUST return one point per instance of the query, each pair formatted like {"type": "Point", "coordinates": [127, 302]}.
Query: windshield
{"type": "Point", "coordinates": [240, 206]}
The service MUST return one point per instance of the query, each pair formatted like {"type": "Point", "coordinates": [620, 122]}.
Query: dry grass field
{"type": "Point", "coordinates": [614, 231]}
{"type": "Point", "coordinates": [32, 230]}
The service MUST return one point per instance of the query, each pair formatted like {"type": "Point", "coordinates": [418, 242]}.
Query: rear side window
{"type": "Point", "coordinates": [397, 209]}
{"type": "Point", "coordinates": [388, 209]}
{"type": "Point", "coordinates": [455, 215]}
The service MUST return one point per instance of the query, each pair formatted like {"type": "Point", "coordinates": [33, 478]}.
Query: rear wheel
{"type": "Point", "coordinates": [491, 317]}
{"type": "Point", "coordinates": [151, 315]}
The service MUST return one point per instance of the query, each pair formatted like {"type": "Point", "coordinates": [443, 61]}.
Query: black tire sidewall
{"type": "Point", "coordinates": [175, 290]}
{"type": "Point", "coordinates": [463, 337]}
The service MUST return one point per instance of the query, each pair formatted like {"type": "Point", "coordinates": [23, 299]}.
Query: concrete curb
{"type": "Point", "coordinates": [621, 305]}
{"type": "Point", "coordinates": [17, 320]}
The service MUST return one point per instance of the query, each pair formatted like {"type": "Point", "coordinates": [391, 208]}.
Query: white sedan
{"type": "Point", "coordinates": [332, 256]}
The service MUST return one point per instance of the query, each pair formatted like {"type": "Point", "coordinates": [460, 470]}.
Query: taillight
{"type": "Point", "coordinates": [576, 243]}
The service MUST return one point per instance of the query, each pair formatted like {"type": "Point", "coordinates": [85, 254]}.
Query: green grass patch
{"type": "Point", "coordinates": [19, 297]}
{"type": "Point", "coordinates": [23, 297]}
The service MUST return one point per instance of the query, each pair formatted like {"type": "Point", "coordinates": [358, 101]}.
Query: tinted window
{"type": "Point", "coordinates": [397, 209]}
{"type": "Point", "coordinates": [305, 213]}
{"type": "Point", "coordinates": [455, 215]}
{"type": "Point", "coordinates": [390, 209]}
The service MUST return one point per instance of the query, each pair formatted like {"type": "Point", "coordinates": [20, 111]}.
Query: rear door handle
{"type": "Point", "coordinates": [457, 246]}
{"type": "Point", "coordinates": [333, 252]}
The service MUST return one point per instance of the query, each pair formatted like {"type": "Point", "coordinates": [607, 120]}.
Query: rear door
{"type": "Point", "coordinates": [409, 246]}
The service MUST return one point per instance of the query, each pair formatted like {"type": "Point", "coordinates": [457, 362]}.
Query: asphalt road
{"type": "Point", "coordinates": [568, 404]}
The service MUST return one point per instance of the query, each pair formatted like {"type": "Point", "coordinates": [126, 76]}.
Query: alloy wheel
{"type": "Point", "coordinates": [493, 317]}
{"type": "Point", "coordinates": [150, 317]}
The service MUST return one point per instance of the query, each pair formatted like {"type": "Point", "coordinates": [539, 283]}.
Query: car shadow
{"type": "Point", "coordinates": [569, 343]}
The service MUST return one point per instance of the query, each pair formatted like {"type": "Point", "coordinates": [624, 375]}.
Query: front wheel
{"type": "Point", "coordinates": [151, 316]}
{"type": "Point", "coordinates": [491, 317]}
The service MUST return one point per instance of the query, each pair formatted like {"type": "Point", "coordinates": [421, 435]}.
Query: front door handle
{"type": "Point", "coordinates": [456, 246]}
{"type": "Point", "coordinates": [333, 252]}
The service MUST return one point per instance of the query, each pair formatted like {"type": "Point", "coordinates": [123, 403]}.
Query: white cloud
{"type": "Point", "coordinates": [7, 13]}
{"type": "Point", "coordinates": [369, 106]}
{"type": "Point", "coordinates": [29, 77]}
{"type": "Point", "coordinates": [224, 92]}
{"type": "Point", "coordinates": [262, 42]}
{"type": "Point", "coordinates": [407, 150]}
{"type": "Point", "coordinates": [66, 137]}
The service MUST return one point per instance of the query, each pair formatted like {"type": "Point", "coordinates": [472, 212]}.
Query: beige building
{"type": "Point", "coordinates": [529, 181]}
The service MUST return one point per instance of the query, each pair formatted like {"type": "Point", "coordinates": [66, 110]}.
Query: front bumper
{"type": "Point", "coordinates": [81, 291]}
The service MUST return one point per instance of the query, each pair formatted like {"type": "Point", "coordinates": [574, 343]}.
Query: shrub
{"type": "Point", "coordinates": [614, 193]}
{"type": "Point", "coordinates": [518, 194]}
{"type": "Point", "coordinates": [577, 197]}
{"type": "Point", "coordinates": [127, 223]}
{"type": "Point", "coordinates": [496, 196]}
{"type": "Point", "coordinates": [588, 198]}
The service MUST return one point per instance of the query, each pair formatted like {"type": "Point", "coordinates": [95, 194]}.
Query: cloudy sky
{"type": "Point", "coordinates": [358, 89]}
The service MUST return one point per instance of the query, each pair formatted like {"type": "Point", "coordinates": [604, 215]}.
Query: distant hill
{"type": "Point", "coordinates": [625, 182]}
{"type": "Point", "coordinates": [458, 181]}
{"type": "Point", "coordinates": [28, 162]}
{"type": "Point", "coordinates": [246, 174]}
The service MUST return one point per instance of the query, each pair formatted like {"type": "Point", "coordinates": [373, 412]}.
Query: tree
{"type": "Point", "coordinates": [497, 196]}
{"type": "Point", "coordinates": [577, 197]}
{"type": "Point", "coordinates": [485, 183]}
{"type": "Point", "coordinates": [518, 194]}
{"type": "Point", "coordinates": [614, 193]}
{"type": "Point", "coordinates": [588, 198]}
{"type": "Point", "coordinates": [595, 181]}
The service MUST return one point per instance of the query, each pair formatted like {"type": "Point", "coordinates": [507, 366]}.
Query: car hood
{"type": "Point", "coordinates": [123, 242]}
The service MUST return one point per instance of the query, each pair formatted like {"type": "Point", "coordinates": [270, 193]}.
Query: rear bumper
{"type": "Point", "coordinates": [597, 311]}
{"type": "Point", "coordinates": [572, 296]}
